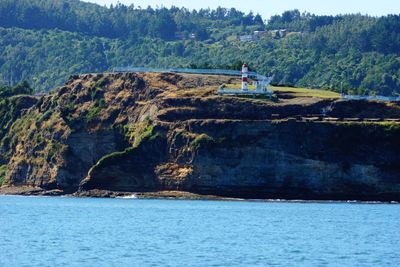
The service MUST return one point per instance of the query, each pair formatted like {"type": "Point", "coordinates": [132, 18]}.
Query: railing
{"type": "Point", "coordinates": [194, 71]}
{"type": "Point", "coordinates": [378, 97]}
{"type": "Point", "coordinates": [180, 70]}
{"type": "Point", "coordinates": [262, 80]}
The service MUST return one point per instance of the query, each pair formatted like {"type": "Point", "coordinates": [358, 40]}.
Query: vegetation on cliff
{"type": "Point", "coordinates": [202, 140]}
{"type": "Point", "coordinates": [39, 131]}
{"type": "Point", "coordinates": [385, 129]}
{"type": "Point", "coordinates": [22, 88]}
{"type": "Point", "coordinates": [140, 131]}
{"type": "Point", "coordinates": [13, 101]}
{"type": "Point", "coordinates": [164, 131]}
{"type": "Point", "coordinates": [3, 169]}
{"type": "Point", "coordinates": [46, 41]}
{"type": "Point", "coordinates": [135, 134]}
{"type": "Point", "coordinates": [113, 158]}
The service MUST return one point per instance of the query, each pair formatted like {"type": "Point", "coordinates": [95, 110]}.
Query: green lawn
{"type": "Point", "coordinates": [238, 86]}
{"type": "Point", "coordinates": [305, 92]}
{"type": "Point", "coordinates": [295, 92]}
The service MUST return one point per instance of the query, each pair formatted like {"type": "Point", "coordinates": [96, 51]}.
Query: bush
{"type": "Point", "coordinates": [23, 88]}
{"type": "Point", "coordinates": [3, 169]}
{"type": "Point", "coordinates": [102, 82]}
{"type": "Point", "coordinates": [96, 93]}
{"type": "Point", "coordinates": [139, 132]}
{"type": "Point", "coordinates": [113, 158]}
{"type": "Point", "coordinates": [92, 114]}
{"type": "Point", "coordinates": [201, 141]}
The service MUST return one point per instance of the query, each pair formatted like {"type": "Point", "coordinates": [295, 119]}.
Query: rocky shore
{"type": "Point", "coordinates": [170, 135]}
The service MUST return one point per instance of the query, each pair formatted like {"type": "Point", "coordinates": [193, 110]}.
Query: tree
{"type": "Point", "coordinates": [164, 26]}
{"type": "Point", "coordinates": [258, 20]}
{"type": "Point", "coordinates": [22, 88]}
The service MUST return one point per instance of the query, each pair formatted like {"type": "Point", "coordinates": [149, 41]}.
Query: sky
{"type": "Point", "coordinates": [268, 8]}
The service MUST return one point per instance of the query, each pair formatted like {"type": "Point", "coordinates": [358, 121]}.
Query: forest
{"type": "Point", "coordinates": [45, 41]}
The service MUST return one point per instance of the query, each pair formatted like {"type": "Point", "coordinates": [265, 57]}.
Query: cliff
{"type": "Point", "coordinates": [151, 132]}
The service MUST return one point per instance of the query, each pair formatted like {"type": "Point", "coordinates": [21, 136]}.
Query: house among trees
{"type": "Point", "coordinates": [184, 36]}
{"type": "Point", "coordinates": [277, 34]}
{"type": "Point", "coordinates": [258, 34]}
{"type": "Point", "coordinates": [251, 37]}
{"type": "Point", "coordinates": [246, 38]}
{"type": "Point", "coordinates": [179, 36]}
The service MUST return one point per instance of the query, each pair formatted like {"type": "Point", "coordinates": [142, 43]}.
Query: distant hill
{"type": "Point", "coordinates": [45, 41]}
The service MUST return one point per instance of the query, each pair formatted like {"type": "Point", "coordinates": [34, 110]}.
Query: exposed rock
{"type": "Point", "coordinates": [103, 134]}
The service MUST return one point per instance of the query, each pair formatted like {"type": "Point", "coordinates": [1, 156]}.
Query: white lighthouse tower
{"type": "Point", "coordinates": [245, 76]}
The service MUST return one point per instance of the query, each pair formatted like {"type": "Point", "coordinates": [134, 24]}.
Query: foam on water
{"type": "Point", "coordinates": [129, 196]}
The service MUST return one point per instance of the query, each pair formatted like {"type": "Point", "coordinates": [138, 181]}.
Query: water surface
{"type": "Point", "coordinates": [47, 231]}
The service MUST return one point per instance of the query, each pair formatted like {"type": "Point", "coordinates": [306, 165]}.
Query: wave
{"type": "Point", "coordinates": [133, 196]}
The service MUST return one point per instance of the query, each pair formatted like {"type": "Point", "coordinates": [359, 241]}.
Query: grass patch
{"type": "Point", "coordinates": [138, 132]}
{"type": "Point", "coordinates": [201, 141]}
{"type": "Point", "coordinates": [238, 86]}
{"type": "Point", "coordinates": [3, 169]}
{"type": "Point", "coordinates": [305, 92]}
{"type": "Point", "coordinates": [294, 91]}
{"type": "Point", "coordinates": [66, 112]}
{"type": "Point", "coordinates": [146, 132]}
{"type": "Point", "coordinates": [387, 126]}
{"type": "Point", "coordinates": [102, 82]}
{"type": "Point", "coordinates": [92, 114]}
{"type": "Point", "coordinates": [96, 93]}
{"type": "Point", "coordinates": [381, 130]}
{"type": "Point", "coordinates": [113, 158]}
{"type": "Point", "coordinates": [94, 111]}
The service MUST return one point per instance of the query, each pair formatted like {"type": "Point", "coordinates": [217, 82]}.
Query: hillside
{"type": "Point", "coordinates": [45, 41]}
{"type": "Point", "coordinates": [150, 132]}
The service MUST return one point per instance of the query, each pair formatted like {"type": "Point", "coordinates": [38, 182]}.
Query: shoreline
{"type": "Point", "coordinates": [167, 195]}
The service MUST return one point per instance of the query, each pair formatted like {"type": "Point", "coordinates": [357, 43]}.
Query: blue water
{"type": "Point", "coordinates": [41, 231]}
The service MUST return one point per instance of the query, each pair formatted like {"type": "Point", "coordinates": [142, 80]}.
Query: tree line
{"type": "Point", "coordinates": [363, 33]}
{"type": "Point", "coordinates": [119, 21]}
{"type": "Point", "coordinates": [45, 41]}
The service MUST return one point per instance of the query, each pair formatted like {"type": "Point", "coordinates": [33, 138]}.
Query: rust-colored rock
{"type": "Point", "coordinates": [151, 132]}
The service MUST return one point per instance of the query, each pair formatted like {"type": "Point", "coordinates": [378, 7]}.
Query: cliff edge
{"type": "Point", "coordinates": [148, 132]}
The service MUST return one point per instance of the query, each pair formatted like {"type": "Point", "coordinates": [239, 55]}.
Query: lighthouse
{"type": "Point", "coordinates": [245, 76]}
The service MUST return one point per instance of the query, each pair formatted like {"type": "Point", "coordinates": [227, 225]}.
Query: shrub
{"type": "Point", "coordinates": [102, 82]}
{"type": "Point", "coordinates": [390, 126]}
{"type": "Point", "coordinates": [92, 113]}
{"type": "Point", "coordinates": [201, 141]}
{"type": "Point", "coordinates": [66, 110]}
{"type": "Point", "coordinates": [3, 169]}
{"type": "Point", "coordinates": [113, 158]}
{"type": "Point", "coordinates": [96, 93]}
{"type": "Point", "coordinates": [138, 132]}
{"type": "Point", "coordinates": [22, 88]}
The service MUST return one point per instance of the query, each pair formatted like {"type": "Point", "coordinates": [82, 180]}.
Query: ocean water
{"type": "Point", "coordinates": [47, 231]}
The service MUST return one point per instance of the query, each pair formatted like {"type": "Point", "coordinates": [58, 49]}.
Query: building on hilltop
{"type": "Point", "coordinates": [260, 84]}
{"type": "Point", "coordinates": [246, 38]}
{"type": "Point", "coordinates": [277, 34]}
{"type": "Point", "coordinates": [185, 36]}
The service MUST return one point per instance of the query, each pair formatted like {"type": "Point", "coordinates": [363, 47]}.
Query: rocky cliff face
{"type": "Point", "coordinates": [150, 132]}
{"type": "Point", "coordinates": [11, 108]}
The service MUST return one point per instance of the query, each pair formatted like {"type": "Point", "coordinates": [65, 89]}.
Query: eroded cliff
{"type": "Point", "coordinates": [150, 132]}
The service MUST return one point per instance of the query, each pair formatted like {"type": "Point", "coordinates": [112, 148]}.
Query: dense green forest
{"type": "Point", "coordinates": [45, 41]}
